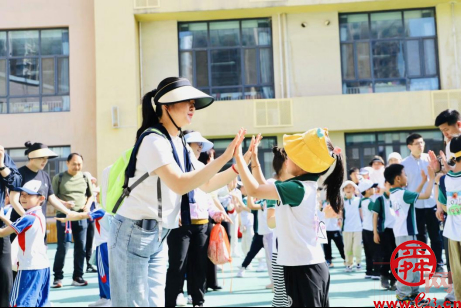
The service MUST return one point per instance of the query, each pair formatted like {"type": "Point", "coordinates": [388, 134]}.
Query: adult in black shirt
{"type": "Point", "coordinates": [10, 178]}
{"type": "Point", "coordinates": [38, 155]}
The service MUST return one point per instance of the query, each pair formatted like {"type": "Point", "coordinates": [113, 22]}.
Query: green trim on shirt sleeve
{"type": "Point", "coordinates": [271, 204]}
{"type": "Point", "coordinates": [377, 206]}
{"type": "Point", "coordinates": [410, 197]}
{"type": "Point", "coordinates": [442, 198]}
{"type": "Point", "coordinates": [291, 193]}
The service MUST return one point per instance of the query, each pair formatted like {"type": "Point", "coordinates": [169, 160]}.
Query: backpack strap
{"type": "Point", "coordinates": [61, 175]}
{"type": "Point", "coordinates": [129, 172]}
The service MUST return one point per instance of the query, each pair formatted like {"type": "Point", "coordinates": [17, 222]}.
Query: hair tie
{"type": "Point", "coordinates": [337, 151]}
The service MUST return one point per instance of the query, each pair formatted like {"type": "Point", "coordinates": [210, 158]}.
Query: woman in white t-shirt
{"type": "Point", "coordinates": [310, 155]}
{"type": "Point", "coordinates": [138, 253]}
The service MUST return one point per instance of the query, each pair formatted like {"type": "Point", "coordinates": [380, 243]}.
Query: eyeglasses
{"type": "Point", "coordinates": [200, 144]}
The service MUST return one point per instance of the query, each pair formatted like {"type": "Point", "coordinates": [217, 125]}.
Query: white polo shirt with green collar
{"type": "Point", "coordinates": [403, 203]}
{"type": "Point", "coordinates": [297, 222]}
{"type": "Point", "coordinates": [450, 195]}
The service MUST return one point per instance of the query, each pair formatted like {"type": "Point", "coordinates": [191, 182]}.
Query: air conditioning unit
{"type": "Point", "coordinates": [445, 99]}
{"type": "Point", "coordinates": [273, 113]}
{"type": "Point", "coordinates": [146, 4]}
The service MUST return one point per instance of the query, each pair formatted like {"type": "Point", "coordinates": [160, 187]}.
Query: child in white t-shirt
{"type": "Point", "coordinates": [367, 189]}
{"type": "Point", "coordinates": [405, 229]}
{"type": "Point", "coordinates": [352, 226]}
{"type": "Point", "coordinates": [310, 155]}
{"type": "Point", "coordinates": [450, 197]}
{"type": "Point", "coordinates": [32, 285]}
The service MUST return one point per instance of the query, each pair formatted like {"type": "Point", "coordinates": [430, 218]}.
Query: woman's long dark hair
{"type": "Point", "coordinates": [334, 181]}
{"type": "Point", "coordinates": [150, 116]}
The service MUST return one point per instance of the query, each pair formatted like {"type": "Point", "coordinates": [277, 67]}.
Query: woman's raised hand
{"type": "Point", "coordinates": [256, 146]}
{"type": "Point", "coordinates": [249, 154]}
{"type": "Point", "coordinates": [232, 149]}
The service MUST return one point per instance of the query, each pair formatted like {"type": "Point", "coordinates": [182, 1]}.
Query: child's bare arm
{"type": "Point", "coordinates": [76, 217]}
{"type": "Point", "coordinates": [428, 193]}
{"type": "Point", "coordinates": [6, 231]}
{"type": "Point", "coordinates": [423, 182]}
{"type": "Point", "coordinates": [271, 218]}
{"type": "Point", "coordinates": [252, 205]}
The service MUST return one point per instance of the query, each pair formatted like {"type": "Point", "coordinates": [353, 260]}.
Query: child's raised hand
{"type": "Point", "coordinates": [423, 176]}
{"type": "Point", "coordinates": [249, 153]}
{"type": "Point", "coordinates": [431, 172]}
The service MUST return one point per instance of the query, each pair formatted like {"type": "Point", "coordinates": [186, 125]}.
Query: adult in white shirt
{"type": "Point", "coordinates": [416, 162]}
{"type": "Point", "coordinates": [137, 249]}
{"type": "Point", "coordinates": [449, 123]}
{"type": "Point", "coordinates": [377, 172]}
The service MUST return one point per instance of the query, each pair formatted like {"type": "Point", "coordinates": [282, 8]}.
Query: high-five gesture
{"type": "Point", "coordinates": [235, 144]}
{"type": "Point", "coordinates": [249, 154]}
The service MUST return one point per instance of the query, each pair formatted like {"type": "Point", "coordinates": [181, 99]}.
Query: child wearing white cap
{"type": "Point", "coordinates": [367, 189]}
{"type": "Point", "coordinates": [352, 226]}
{"type": "Point", "coordinates": [32, 284]}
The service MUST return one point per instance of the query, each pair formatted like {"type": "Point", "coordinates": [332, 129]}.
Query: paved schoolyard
{"type": "Point", "coordinates": [347, 289]}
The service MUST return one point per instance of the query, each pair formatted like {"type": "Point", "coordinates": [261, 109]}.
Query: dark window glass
{"type": "Point", "coordinates": [3, 46]}
{"type": "Point", "coordinates": [55, 42]}
{"type": "Point", "coordinates": [226, 68]}
{"type": "Point", "coordinates": [225, 34]}
{"type": "Point", "coordinates": [361, 148]}
{"type": "Point", "coordinates": [354, 27]}
{"type": "Point", "coordinates": [34, 71]}
{"type": "Point", "coordinates": [194, 35]}
{"type": "Point", "coordinates": [231, 60]}
{"type": "Point", "coordinates": [24, 77]}
{"type": "Point", "coordinates": [400, 54]}
{"type": "Point", "coordinates": [24, 43]}
{"type": "Point", "coordinates": [386, 25]}
{"type": "Point", "coordinates": [388, 61]}
{"type": "Point", "coordinates": [3, 77]}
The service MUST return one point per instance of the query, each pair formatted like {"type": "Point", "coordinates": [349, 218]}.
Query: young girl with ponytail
{"type": "Point", "coordinates": [137, 250]}
{"type": "Point", "coordinates": [310, 155]}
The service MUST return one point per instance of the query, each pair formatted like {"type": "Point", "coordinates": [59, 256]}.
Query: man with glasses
{"type": "Point", "coordinates": [426, 219]}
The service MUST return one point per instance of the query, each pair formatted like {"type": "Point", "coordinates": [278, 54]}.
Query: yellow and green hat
{"type": "Point", "coordinates": [309, 150]}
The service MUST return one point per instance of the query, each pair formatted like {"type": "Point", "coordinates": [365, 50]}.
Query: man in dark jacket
{"type": "Point", "coordinates": [9, 178]}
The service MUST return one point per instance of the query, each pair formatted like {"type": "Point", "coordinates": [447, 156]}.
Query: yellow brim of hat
{"type": "Point", "coordinates": [42, 153]}
{"type": "Point", "coordinates": [309, 151]}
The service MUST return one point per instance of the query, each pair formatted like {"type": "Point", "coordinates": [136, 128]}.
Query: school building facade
{"type": "Point", "coordinates": [370, 71]}
{"type": "Point", "coordinates": [72, 73]}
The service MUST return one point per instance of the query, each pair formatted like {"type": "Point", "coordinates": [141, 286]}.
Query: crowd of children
{"type": "Point", "coordinates": [294, 217]}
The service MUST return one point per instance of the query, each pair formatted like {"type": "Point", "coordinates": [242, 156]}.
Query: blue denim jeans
{"type": "Point", "coordinates": [138, 264]}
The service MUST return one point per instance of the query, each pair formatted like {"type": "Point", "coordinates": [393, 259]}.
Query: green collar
{"type": "Point", "coordinates": [454, 173]}
{"type": "Point", "coordinates": [396, 189]}
{"type": "Point", "coordinates": [305, 177]}
{"type": "Point", "coordinates": [386, 195]}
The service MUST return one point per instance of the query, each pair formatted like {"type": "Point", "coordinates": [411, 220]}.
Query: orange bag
{"type": "Point", "coordinates": [219, 250]}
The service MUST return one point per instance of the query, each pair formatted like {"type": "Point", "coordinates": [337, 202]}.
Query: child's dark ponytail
{"type": "Point", "coordinates": [334, 181]}
{"type": "Point", "coordinates": [280, 157]}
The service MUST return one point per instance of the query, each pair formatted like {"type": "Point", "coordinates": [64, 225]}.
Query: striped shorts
{"type": "Point", "coordinates": [280, 293]}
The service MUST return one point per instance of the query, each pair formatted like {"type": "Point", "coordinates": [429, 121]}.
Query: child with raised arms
{"type": "Point", "coordinates": [310, 155]}
{"type": "Point", "coordinates": [405, 229]}
{"type": "Point", "coordinates": [32, 285]}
